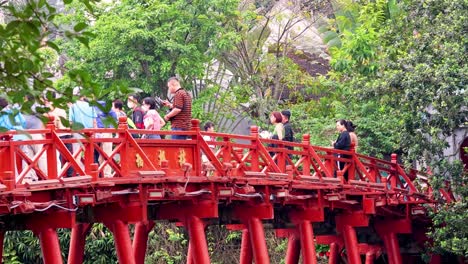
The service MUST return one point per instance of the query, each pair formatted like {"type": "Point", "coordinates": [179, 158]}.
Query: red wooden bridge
{"type": "Point", "coordinates": [301, 193]}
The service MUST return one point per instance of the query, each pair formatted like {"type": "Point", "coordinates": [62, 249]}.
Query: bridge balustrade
{"type": "Point", "coordinates": [191, 181]}
{"type": "Point", "coordinates": [226, 155]}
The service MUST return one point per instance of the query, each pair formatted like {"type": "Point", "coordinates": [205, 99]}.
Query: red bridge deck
{"type": "Point", "coordinates": [242, 185]}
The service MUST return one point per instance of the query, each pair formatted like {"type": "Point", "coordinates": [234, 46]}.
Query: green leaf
{"type": "Point", "coordinates": [80, 26]}
{"type": "Point", "coordinates": [53, 45]}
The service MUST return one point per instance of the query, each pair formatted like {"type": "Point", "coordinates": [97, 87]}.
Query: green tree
{"type": "Point", "coordinates": [142, 43]}
{"type": "Point", "coordinates": [26, 37]}
{"type": "Point", "coordinates": [405, 66]}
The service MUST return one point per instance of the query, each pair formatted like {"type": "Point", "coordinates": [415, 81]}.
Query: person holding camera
{"type": "Point", "coordinates": [180, 114]}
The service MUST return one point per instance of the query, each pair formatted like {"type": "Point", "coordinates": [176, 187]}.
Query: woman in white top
{"type": "Point", "coordinates": [278, 131]}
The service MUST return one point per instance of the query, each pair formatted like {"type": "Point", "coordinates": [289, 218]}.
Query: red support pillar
{"type": "Point", "coordinates": [334, 254]}
{"type": "Point", "coordinates": [257, 238]}
{"type": "Point", "coordinates": [388, 248]}
{"type": "Point", "coordinates": [294, 250]}
{"type": "Point", "coordinates": [122, 241]}
{"type": "Point", "coordinates": [370, 258]}
{"type": "Point", "coordinates": [50, 246]}
{"type": "Point", "coordinates": [394, 249]}
{"type": "Point", "coordinates": [77, 243]}
{"type": "Point", "coordinates": [140, 240]}
{"type": "Point", "coordinates": [435, 259]}
{"type": "Point", "coordinates": [190, 253]}
{"type": "Point", "coordinates": [351, 243]}
{"type": "Point", "coordinates": [307, 243]}
{"type": "Point", "coordinates": [246, 248]}
{"type": "Point", "coordinates": [388, 230]}
{"type": "Point", "coordinates": [199, 248]}
{"type": "Point", "coordinates": [2, 236]}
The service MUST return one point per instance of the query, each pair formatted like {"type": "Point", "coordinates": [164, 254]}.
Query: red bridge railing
{"type": "Point", "coordinates": [228, 156]}
{"type": "Point", "coordinates": [139, 180]}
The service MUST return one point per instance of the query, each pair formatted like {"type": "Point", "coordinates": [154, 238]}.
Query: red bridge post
{"type": "Point", "coordinates": [190, 253]}
{"type": "Point", "coordinates": [251, 215]}
{"type": "Point", "coordinates": [303, 219]}
{"type": "Point", "coordinates": [197, 153]}
{"type": "Point", "coordinates": [50, 246]}
{"type": "Point", "coordinates": [246, 248]}
{"type": "Point", "coordinates": [351, 243]}
{"type": "Point", "coordinates": [307, 242]}
{"type": "Point", "coordinates": [294, 249]}
{"type": "Point", "coordinates": [124, 152]}
{"type": "Point", "coordinates": [140, 240]}
{"type": "Point", "coordinates": [257, 238]}
{"type": "Point", "coordinates": [77, 243]}
{"type": "Point", "coordinates": [370, 257]}
{"type": "Point", "coordinates": [334, 253]}
{"type": "Point", "coordinates": [345, 224]}
{"type": "Point", "coordinates": [198, 246]}
{"type": "Point", "coordinates": [7, 166]}
{"type": "Point", "coordinates": [255, 142]}
{"type": "Point", "coordinates": [52, 172]}
{"type": "Point", "coordinates": [388, 230]}
{"type": "Point", "coordinates": [2, 237]}
{"type": "Point", "coordinates": [88, 152]}
{"type": "Point", "coordinates": [122, 241]}
{"type": "Point", "coordinates": [306, 163]}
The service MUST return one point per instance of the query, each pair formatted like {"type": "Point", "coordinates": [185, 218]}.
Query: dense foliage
{"type": "Point", "coordinates": [27, 47]}
{"type": "Point", "coordinates": [141, 43]}
{"type": "Point", "coordinates": [403, 67]}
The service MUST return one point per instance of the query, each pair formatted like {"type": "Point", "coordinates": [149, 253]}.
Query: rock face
{"type": "Point", "coordinates": [289, 25]}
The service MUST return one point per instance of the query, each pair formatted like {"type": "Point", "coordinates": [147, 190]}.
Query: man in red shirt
{"type": "Point", "coordinates": [181, 109]}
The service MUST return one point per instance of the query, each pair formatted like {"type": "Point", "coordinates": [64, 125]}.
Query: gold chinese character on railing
{"type": "Point", "coordinates": [139, 161]}
{"type": "Point", "coordinates": [181, 157]}
{"type": "Point", "coordinates": [161, 156]}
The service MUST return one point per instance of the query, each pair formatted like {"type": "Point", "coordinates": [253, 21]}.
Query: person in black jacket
{"type": "Point", "coordinates": [288, 131]}
{"type": "Point", "coordinates": [343, 142]}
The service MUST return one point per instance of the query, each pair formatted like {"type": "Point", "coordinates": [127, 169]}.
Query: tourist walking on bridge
{"type": "Point", "coordinates": [152, 119]}
{"type": "Point", "coordinates": [136, 117]}
{"type": "Point", "coordinates": [278, 131]}
{"type": "Point", "coordinates": [181, 109]}
{"type": "Point", "coordinates": [288, 131]}
{"type": "Point", "coordinates": [350, 127]}
{"type": "Point", "coordinates": [343, 142]}
{"type": "Point", "coordinates": [81, 113]}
